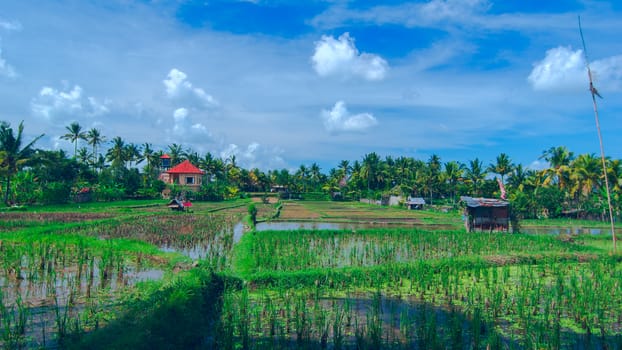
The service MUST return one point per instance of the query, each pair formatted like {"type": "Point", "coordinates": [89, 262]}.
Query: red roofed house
{"type": "Point", "coordinates": [184, 174]}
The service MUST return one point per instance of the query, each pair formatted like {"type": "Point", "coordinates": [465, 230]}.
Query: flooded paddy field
{"type": "Point", "coordinates": [317, 275]}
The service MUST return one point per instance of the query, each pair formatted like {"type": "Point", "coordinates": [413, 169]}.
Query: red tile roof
{"type": "Point", "coordinates": [165, 156]}
{"type": "Point", "coordinates": [185, 167]}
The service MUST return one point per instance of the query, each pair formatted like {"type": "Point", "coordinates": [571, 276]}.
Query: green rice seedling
{"type": "Point", "coordinates": [338, 327]}
{"type": "Point", "coordinates": [374, 321]}
{"type": "Point", "coordinates": [13, 322]}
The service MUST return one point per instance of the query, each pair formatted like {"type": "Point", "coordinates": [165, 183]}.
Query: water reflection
{"type": "Point", "coordinates": [573, 230]}
{"type": "Point", "coordinates": [302, 225]}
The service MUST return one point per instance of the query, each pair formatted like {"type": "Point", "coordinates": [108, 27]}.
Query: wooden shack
{"type": "Point", "coordinates": [415, 203]}
{"type": "Point", "coordinates": [486, 214]}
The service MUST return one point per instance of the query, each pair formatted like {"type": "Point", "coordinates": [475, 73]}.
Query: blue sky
{"type": "Point", "coordinates": [284, 83]}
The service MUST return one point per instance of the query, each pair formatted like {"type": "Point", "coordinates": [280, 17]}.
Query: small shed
{"type": "Point", "coordinates": [486, 214]}
{"type": "Point", "coordinates": [415, 203]}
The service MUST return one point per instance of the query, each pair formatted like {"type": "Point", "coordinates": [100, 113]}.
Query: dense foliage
{"type": "Point", "coordinates": [571, 185]}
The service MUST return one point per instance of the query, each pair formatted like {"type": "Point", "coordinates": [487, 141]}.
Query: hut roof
{"type": "Point", "coordinates": [415, 200]}
{"type": "Point", "coordinates": [165, 156]}
{"type": "Point", "coordinates": [484, 202]}
{"type": "Point", "coordinates": [185, 167]}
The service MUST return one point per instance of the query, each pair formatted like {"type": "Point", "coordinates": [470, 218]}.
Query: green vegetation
{"type": "Point", "coordinates": [571, 187]}
{"type": "Point", "coordinates": [135, 275]}
{"type": "Point", "coordinates": [113, 272]}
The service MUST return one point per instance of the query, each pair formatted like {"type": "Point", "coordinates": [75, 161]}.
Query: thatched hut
{"type": "Point", "coordinates": [486, 214]}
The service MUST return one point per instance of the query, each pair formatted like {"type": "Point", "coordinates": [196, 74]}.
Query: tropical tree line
{"type": "Point", "coordinates": [114, 169]}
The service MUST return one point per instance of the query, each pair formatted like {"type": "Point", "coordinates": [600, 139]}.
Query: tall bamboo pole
{"type": "Point", "coordinates": [595, 93]}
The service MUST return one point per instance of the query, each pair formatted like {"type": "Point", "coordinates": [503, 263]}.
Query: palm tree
{"type": "Point", "coordinates": [433, 174]}
{"type": "Point", "coordinates": [475, 175]}
{"type": "Point", "coordinates": [117, 153]}
{"type": "Point", "coordinates": [315, 175]}
{"type": "Point", "coordinates": [176, 153]}
{"type": "Point", "coordinates": [402, 171]}
{"type": "Point", "coordinates": [370, 169]}
{"type": "Point", "coordinates": [344, 168]}
{"type": "Point", "coordinates": [95, 138]}
{"type": "Point", "coordinates": [83, 155]}
{"type": "Point", "coordinates": [302, 175]}
{"type": "Point", "coordinates": [192, 156]}
{"type": "Point", "coordinates": [452, 174]}
{"type": "Point", "coordinates": [12, 155]}
{"type": "Point", "coordinates": [207, 163]}
{"type": "Point", "coordinates": [150, 156]}
{"type": "Point", "coordinates": [502, 167]}
{"type": "Point", "coordinates": [614, 173]}
{"type": "Point", "coordinates": [586, 174]}
{"type": "Point", "coordinates": [559, 159]}
{"type": "Point", "coordinates": [74, 134]}
{"type": "Point", "coordinates": [133, 154]}
{"type": "Point", "coordinates": [518, 177]}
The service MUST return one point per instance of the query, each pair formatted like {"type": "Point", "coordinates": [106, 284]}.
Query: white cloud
{"type": "Point", "coordinates": [10, 25]}
{"type": "Point", "coordinates": [339, 119]}
{"type": "Point", "coordinates": [437, 10]}
{"type": "Point", "coordinates": [6, 69]}
{"type": "Point", "coordinates": [564, 69]}
{"type": "Point", "coordinates": [52, 104]}
{"type": "Point", "coordinates": [341, 57]}
{"type": "Point", "coordinates": [254, 156]}
{"type": "Point", "coordinates": [181, 90]}
{"type": "Point", "coordinates": [434, 13]}
{"type": "Point", "coordinates": [561, 68]}
{"type": "Point", "coordinates": [184, 130]}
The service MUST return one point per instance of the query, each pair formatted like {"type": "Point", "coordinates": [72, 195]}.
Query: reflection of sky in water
{"type": "Point", "coordinates": [284, 226]}
{"type": "Point", "coordinates": [567, 230]}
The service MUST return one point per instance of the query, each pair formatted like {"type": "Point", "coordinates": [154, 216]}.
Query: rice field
{"type": "Point", "coordinates": [140, 276]}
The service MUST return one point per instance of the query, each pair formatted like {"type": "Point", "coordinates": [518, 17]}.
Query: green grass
{"type": "Point", "coordinates": [308, 249]}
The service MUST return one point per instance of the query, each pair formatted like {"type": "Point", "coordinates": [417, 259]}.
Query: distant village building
{"type": "Point", "coordinates": [415, 203]}
{"type": "Point", "coordinates": [165, 162]}
{"type": "Point", "coordinates": [486, 214]}
{"type": "Point", "coordinates": [184, 174]}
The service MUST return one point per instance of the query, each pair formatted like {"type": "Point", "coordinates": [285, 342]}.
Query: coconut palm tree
{"type": "Point", "coordinates": [83, 155]}
{"type": "Point", "coordinates": [117, 153]}
{"type": "Point", "coordinates": [614, 173]}
{"type": "Point", "coordinates": [586, 174]}
{"type": "Point", "coordinates": [475, 175]}
{"type": "Point", "coordinates": [74, 134]}
{"type": "Point", "coordinates": [150, 156]}
{"type": "Point", "coordinates": [95, 138]}
{"type": "Point", "coordinates": [176, 152]}
{"type": "Point", "coordinates": [133, 154]}
{"type": "Point", "coordinates": [559, 159]}
{"type": "Point", "coordinates": [344, 168]}
{"type": "Point", "coordinates": [433, 175]}
{"type": "Point", "coordinates": [518, 177]}
{"type": "Point", "coordinates": [192, 156]}
{"type": "Point", "coordinates": [370, 169]}
{"type": "Point", "coordinates": [302, 175]}
{"type": "Point", "coordinates": [315, 175]}
{"type": "Point", "coordinates": [12, 155]}
{"type": "Point", "coordinates": [502, 166]}
{"type": "Point", "coordinates": [452, 175]}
